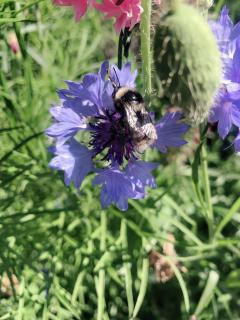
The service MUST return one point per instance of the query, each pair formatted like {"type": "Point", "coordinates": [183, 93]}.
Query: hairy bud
{"type": "Point", "coordinates": [187, 60]}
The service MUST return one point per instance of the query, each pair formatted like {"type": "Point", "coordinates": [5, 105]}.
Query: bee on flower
{"type": "Point", "coordinates": [113, 151]}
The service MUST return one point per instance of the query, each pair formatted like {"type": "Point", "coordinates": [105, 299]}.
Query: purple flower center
{"type": "Point", "coordinates": [112, 133]}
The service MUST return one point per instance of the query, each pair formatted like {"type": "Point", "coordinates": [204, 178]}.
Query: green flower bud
{"type": "Point", "coordinates": [187, 60]}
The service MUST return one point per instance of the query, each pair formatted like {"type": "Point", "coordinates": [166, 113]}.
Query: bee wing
{"type": "Point", "coordinates": [150, 131]}
{"type": "Point", "coordinates": [141, 124]}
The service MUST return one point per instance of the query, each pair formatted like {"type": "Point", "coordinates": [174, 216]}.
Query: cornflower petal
{"type": "Point", "coordinates": [90, 97]}
{"type": "Point", "coordinates": [170, 131]}
{"type": "Point", "coordinates": [97, 89]}
{"type": "Point", "coordinates": [222, 29]}
{"type": "Point", "coordinates": [77, 100]}
{"type": "Point", "coordinates": [237, 143]}
{"type": "Point", "coordinates": [140, 174]}
{"type": "Point", "coordinates": [235, 32]}
{"type": "Point", "coordinates": [74, 159]}
{"type": "Point", "coordinates": [117, 188]}
{"type": "Point", "coordinates": [123, 77]}
{"type": "Point", "coordinates": [226, 113]}
{"type": "Point", "coordinates": [234, 66]}
{"type": "Point", "coordinates": [67, 125]}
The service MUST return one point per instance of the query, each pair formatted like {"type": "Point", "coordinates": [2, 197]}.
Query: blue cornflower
{"type": "Point", "coordinates": [226, 108]}
{"type": "Point", "coordinates": [105, 143]}
{"type": "Point", "coordinates": [226, 33]}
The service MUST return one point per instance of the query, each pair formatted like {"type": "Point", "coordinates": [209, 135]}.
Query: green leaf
{"type": "Point", "coordinates": [208, 292]}
{"type": "Point", "coordinates": [228, 217]}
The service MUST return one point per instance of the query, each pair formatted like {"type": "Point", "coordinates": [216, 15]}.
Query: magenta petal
{"type": "Point", "coordinates": [127, 14]}
{"type": "Point", "coordinates": [80, 6]}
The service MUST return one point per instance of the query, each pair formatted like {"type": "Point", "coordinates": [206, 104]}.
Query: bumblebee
{"type": "Point", "coordinates": [130, 104]}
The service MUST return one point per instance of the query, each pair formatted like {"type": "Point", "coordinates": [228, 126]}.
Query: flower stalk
{"type": "Point", "coordinates": [145, 27]}
{"type": "Point", "coordinates": [101, 277]}
{"type": "Point", "coordinates": [207, 190]}
{"type": "Point", "coordinates": [120, 50]}
{"type": "Point", "coordinates": [143, 286]}
{"type": "Point", "coordinates": [127, 268]}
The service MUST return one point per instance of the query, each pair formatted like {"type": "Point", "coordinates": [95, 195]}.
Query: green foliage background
{"type": "Point", "coordinates": [50, 234]}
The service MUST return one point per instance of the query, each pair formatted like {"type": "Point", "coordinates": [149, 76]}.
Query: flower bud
{"type": "Point", "coordinates": [187, 60]}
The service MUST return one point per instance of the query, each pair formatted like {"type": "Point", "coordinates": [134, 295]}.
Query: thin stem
{"type": "Point", "coordinates": [207, 190]}
{"type": "Point", "coordinates": [143, 287]}
{"type": "Point", "coordinates": [228, 217]}
{"type": "Point", "coordinates": [127, 42]}
{"type": "Point", "coordinates": [120, 50]}
{"type": "Point", "coordinates": [26, 59]}
{"type": "Point", "coordinates": [127, 267]}
{"type": "Point", "coordinates": [146, 47]}
{"type": "Point", "coordinates": [101, 278]}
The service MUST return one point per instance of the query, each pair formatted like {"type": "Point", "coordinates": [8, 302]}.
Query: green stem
{"type": "Point", "coordinates": [101, 279]}
{"type": "Point", "coordinates": [126, 42]}
{"type": "Point", "coordinates": [208, 292]}
{"type": "Point", "coordinates": [120, 50]}
{"type": "Point", "coordinates": [146, 47]}
{"type": "Point", "coordinates": [207, 190]}
{"type": "Point", "coordinates": [26, 59]}
{"type": "Point", "coordinates": [143, 287]}
{"type": "Point", "coordinates": [127, 267]}
{"type": "Point", "coordinates": [228, 217]}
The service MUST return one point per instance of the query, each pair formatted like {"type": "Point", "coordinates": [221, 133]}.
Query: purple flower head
{"type": "Point", "coordinates": [226, 108]}
{"type": "Point", "coordinates": [112, 133]}
{"type": "Point", "coordinates": [112, 140]}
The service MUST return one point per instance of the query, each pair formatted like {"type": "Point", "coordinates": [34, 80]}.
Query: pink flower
{"type": "Point", "coordinates": [80, 6]}
{"type": "Point", "coordinates": [126, 12]}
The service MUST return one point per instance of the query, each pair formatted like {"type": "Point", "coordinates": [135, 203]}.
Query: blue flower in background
{"type": "Point", "coordinates": [226, 34]}
{"type": "Point", "coordinates": [226, 109]}
{"type": "Point", "coordinates": [92, 136]}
